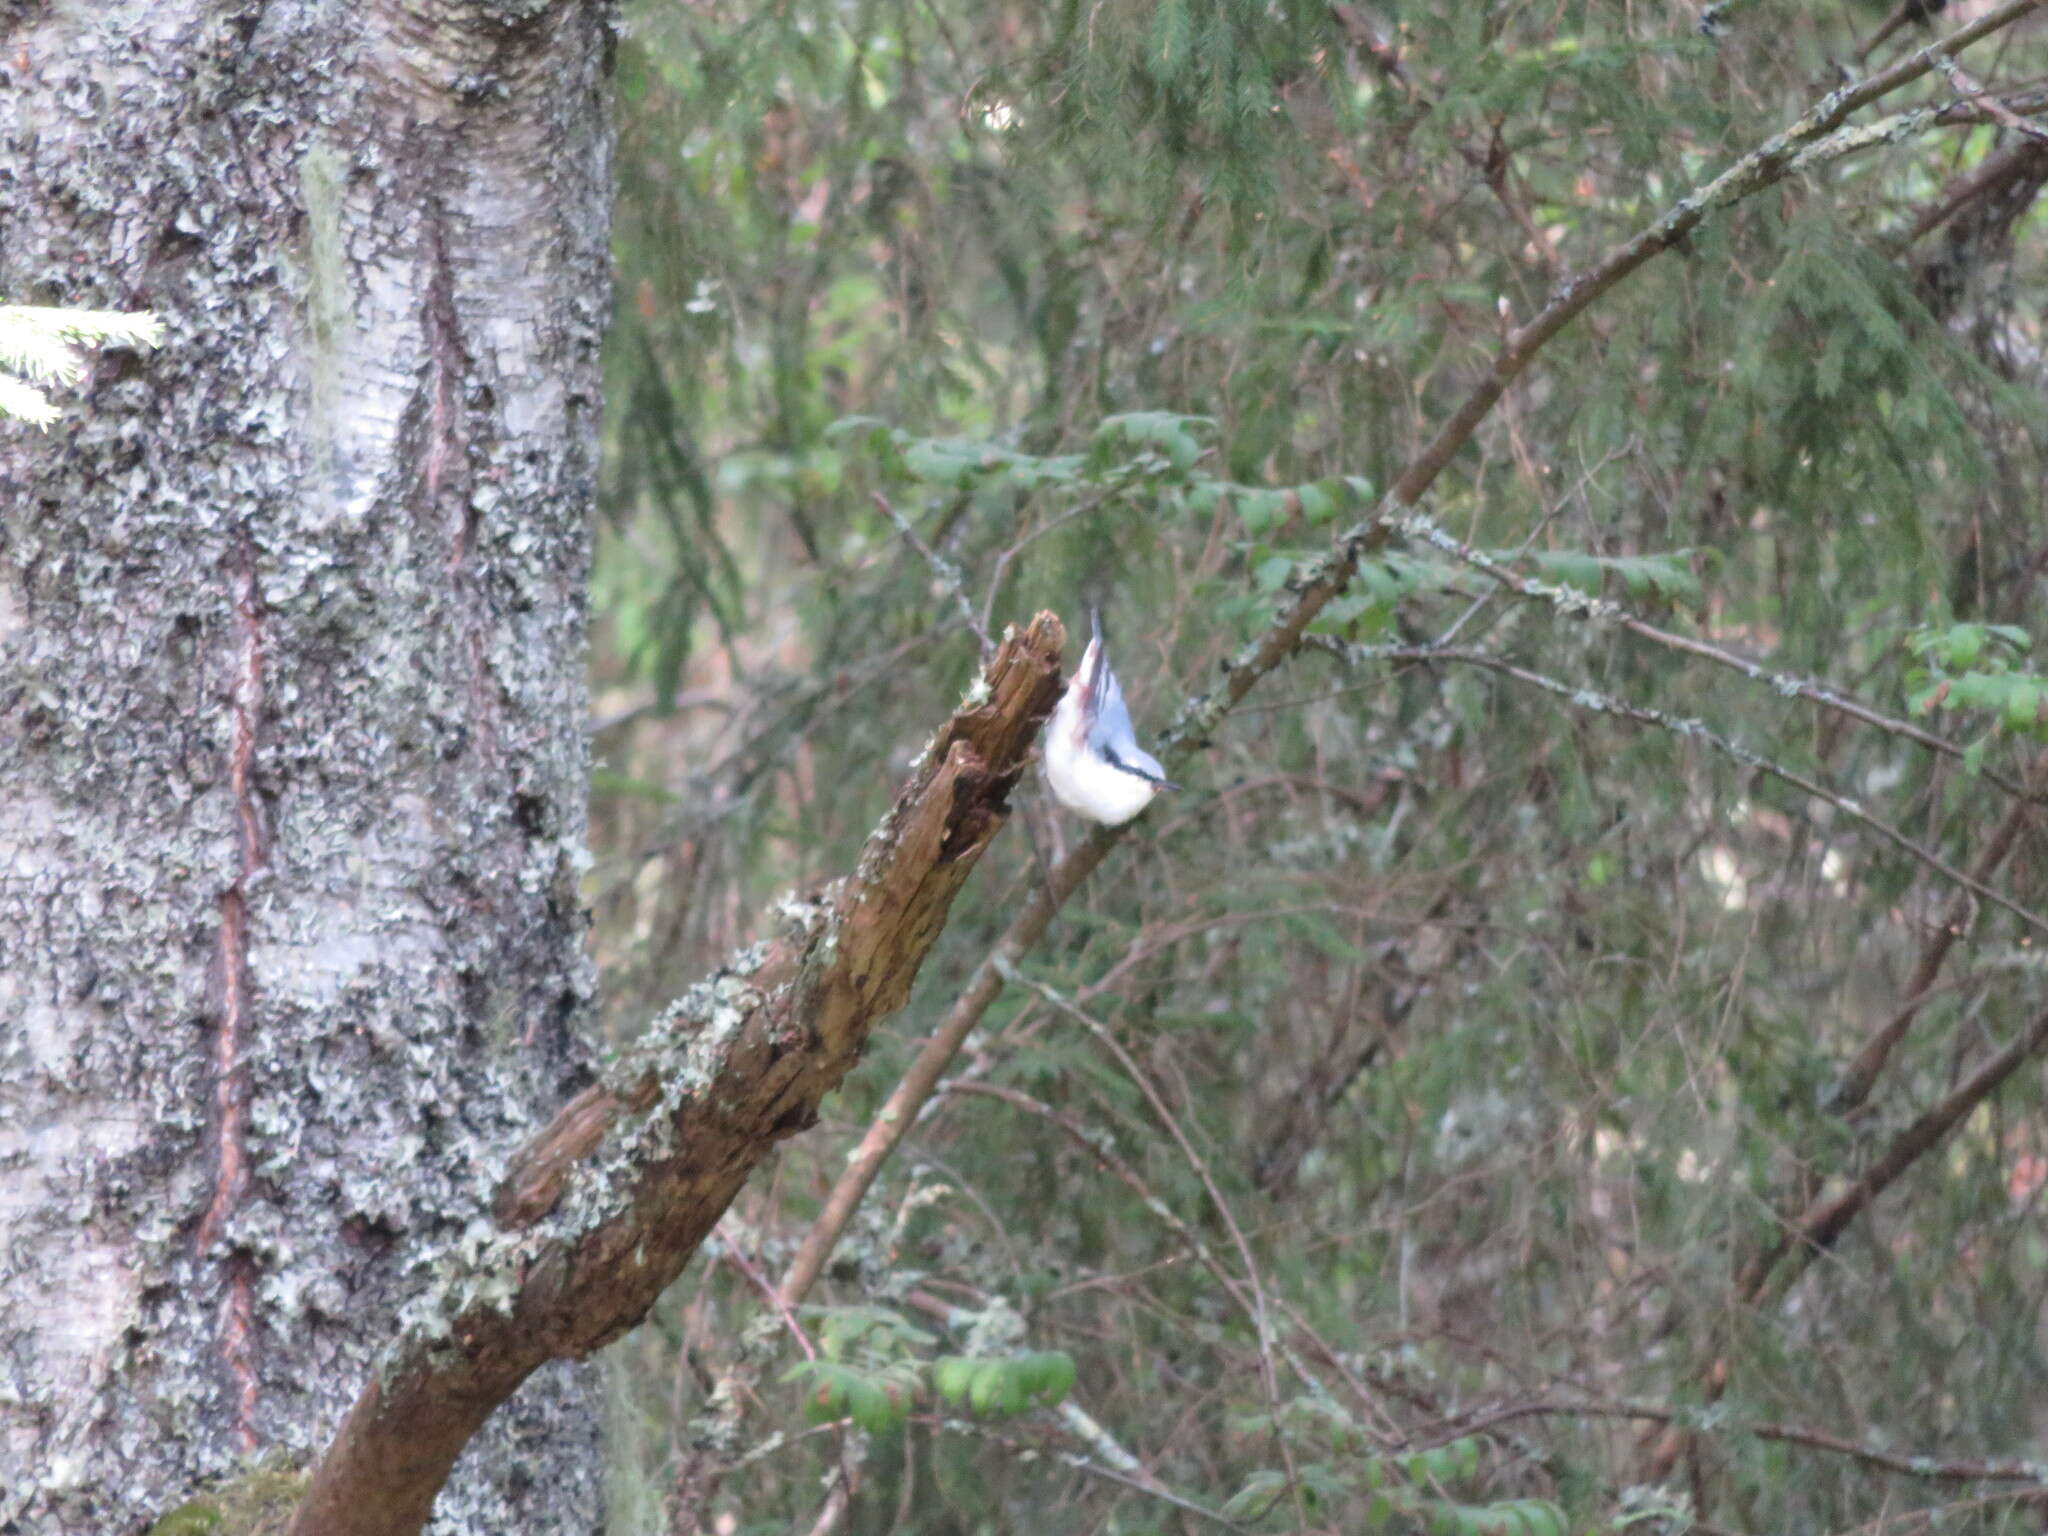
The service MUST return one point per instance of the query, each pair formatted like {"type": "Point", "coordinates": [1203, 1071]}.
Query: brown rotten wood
{"type": "Point", "coordinates": [603, 1208]}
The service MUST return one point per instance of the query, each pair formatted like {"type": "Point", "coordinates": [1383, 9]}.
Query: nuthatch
{"type": "Point", "coordinates": [1092, 758]}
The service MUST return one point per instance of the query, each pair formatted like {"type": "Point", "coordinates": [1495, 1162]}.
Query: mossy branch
{"type": "Point", "coordinates": [598, 1213]}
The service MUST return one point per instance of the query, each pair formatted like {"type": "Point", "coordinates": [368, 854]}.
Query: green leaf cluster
{"type": "Point", "coordinates": [1976, 667]}
{"type": "Point", "coordinates": [874, 1367]}
{"type": "Point", "coordinates": [1006, 1385]}
{"type": "Point", "coordinates": [1407, 1493]}
{"type": "Point", "coordinates": [1151, 459]}
{"type": "Point", "coordinates": [876, 1397]}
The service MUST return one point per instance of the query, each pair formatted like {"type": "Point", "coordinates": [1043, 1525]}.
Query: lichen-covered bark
{"type": "Point", "coordinates": [291, 719]}
{"type": "Point", "coordinates": [599, 1212]}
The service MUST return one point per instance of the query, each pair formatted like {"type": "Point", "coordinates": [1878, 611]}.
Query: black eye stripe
{"type": "Point", "coordinates": [1110, 757]}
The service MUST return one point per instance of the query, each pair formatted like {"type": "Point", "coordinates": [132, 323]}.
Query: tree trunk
{"type": "Point", "coordinates": [292, 709]}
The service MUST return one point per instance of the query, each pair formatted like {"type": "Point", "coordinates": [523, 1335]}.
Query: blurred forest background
{"type": "Point", "coordinates": [1417, 1122]}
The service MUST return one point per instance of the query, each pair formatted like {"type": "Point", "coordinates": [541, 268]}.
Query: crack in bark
{"type": "Point", "coordinates": [231, 1079]}
{"type": "Point", "coordinates": [448, 360]}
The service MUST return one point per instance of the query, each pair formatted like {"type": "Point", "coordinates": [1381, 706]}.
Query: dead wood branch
{"type": "Point", "coordinates": [602, 1209]}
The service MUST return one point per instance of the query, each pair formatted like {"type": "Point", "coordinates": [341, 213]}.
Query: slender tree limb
{"type": "Point", "coordinates": [603, 1208]}
{"type": "Point", "coordinates": [2023, 102]}
{"type": "Point", "coordinates": [1817, 1227]}
{"type": "Point", "coordinates": [1969, 92]}
{"type": "Point", "coordinates": [1572, 602]}
{"type": "Point", "coordinates": [1930, 1468]}
{"type": "Point", "coordinates": [1862, 1073]}
{"type": "Point", "coordinates": [1596, 702]}
{"type": "Point", "coordinates": [734, 1256]}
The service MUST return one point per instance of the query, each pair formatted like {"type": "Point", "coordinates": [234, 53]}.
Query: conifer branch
{"type": "Point", "coordinates": [39, 347]}
{"type": "Point", "coordinates": [1785, 684]}
{"type": "Point", "coordinates": [1764, 166]}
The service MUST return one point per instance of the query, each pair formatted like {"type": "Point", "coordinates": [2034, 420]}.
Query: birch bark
{"type": "Point", "coordinates": [292, 705]}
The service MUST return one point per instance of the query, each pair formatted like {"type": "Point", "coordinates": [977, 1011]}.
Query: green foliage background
{"type": "Point", "coordinates": [1498, 1030]}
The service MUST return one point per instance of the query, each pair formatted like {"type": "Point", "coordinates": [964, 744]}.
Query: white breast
{"type": "Point", "coordinates": [1087, 784]}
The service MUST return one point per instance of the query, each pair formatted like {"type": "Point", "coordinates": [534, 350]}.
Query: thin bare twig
{"type": "Point", "coordinates": [1969, 91]}
{"type": "Point", "coordinates": [1149, 1486]}
{"type": "Point", "coordinates": [1931, 1468]}
{"type": "Point", "coordinates": [946, 571]}
{"type": "Point", "coordinates": [1002, 566]}
{"type": "Point", "coordinates": [1595, 702]}
{"type": "Point", "coordinates": [834, 1509]}
{"type": "Point", "coordinates": [1143, 1083]}
{"type": "Point", "coordinates": [1097, 1147]}
{"type": "Point", "coordinates": [746, 1266]}
{"type": "Point", "coordinates": [1573, 603]}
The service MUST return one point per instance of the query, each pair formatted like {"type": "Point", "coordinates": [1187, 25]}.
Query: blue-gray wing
{"type": "Point", "coordinates": [1113, 728]}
